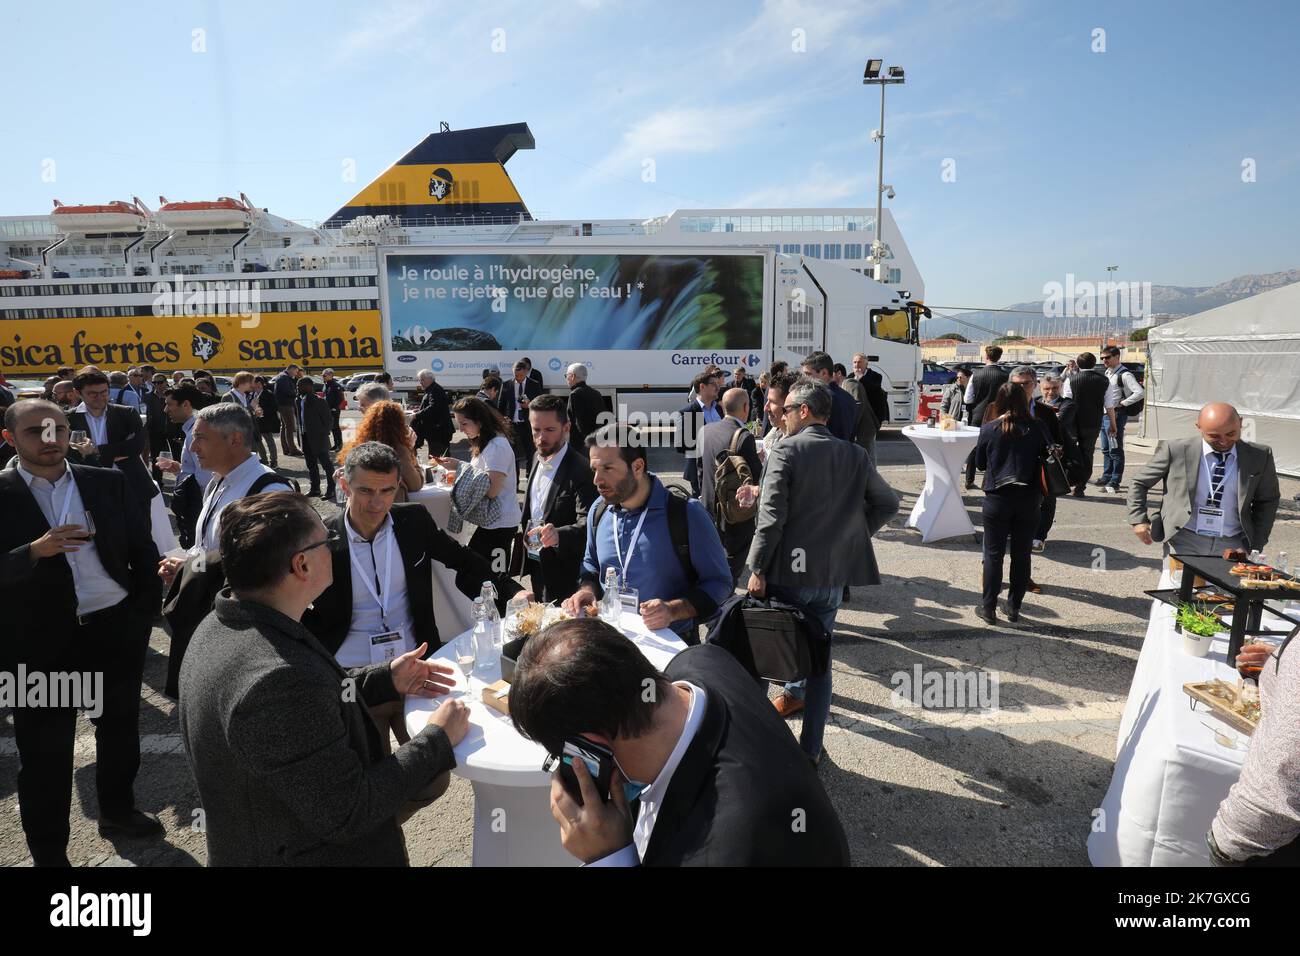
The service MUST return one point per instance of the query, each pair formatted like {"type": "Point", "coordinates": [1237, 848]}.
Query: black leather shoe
{"type": "Point", "coordinates": [985, 615]}
{"type": "Point", "coordinates": [313, 492]}
{"type": "Point", "coordinates": [1013, 614]}
{"type": "Point", "coordinates": [135, 826]}
{"type": "Point", "coordinates": [328, 494]}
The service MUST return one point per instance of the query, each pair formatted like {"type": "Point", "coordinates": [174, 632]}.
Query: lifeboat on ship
{"type": "Point", "coordinates": [112, 217]}
{"type": "Point", "coordinates": [225, 213]}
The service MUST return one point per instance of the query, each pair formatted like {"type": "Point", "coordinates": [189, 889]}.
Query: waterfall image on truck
{"type": "Point", "coordinates": [472, 302]}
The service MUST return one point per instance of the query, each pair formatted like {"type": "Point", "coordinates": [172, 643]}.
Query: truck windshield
{"type": "Point", "coordinates": [891, 325]}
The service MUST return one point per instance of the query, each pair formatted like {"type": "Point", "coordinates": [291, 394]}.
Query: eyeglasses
{"type": "Point", "coordinates": [790, 408]}
{"type": "Point", "coordinates": [331, 541]}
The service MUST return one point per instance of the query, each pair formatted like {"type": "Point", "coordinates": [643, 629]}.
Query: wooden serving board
{"type": "Point", "coordinates": [1219, 707]}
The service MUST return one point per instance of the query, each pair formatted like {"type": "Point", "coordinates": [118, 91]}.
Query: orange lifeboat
{"type": "Point", "coordinates": [115, 216]}
{"type": "Point", "coordinates": [225, 213]}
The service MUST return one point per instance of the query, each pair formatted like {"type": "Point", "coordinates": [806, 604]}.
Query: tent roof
{"type": "Point", "coordinates": [1270, 315]}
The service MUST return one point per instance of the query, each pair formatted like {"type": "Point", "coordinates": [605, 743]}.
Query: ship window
{"type": "Point", "coordinates": [832, 250]}
{"type": "Point", "coordinates": [813, 249]}
{"type": "Point", "coordinates": [853, 250]}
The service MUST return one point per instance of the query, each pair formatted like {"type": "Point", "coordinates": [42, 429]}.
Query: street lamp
{"type": "Point", "coordinates": [871, 77]}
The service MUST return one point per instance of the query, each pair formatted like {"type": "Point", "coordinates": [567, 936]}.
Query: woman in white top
{"type": "Point", "coordinates": [490, 437]}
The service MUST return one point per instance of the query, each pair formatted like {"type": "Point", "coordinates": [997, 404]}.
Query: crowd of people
{"type": "Point", "coordinates": [270, 606]}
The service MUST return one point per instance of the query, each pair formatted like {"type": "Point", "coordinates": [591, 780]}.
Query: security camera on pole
{"type": "Point", "coordinates": [872, 76]}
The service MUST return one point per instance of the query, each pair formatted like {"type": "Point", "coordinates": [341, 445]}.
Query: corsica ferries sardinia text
{"type": "Point", "coordinates": [212, 342]}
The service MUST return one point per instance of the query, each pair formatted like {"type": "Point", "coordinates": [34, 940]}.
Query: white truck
{"type": "Point", "coordinates": [644, 320]}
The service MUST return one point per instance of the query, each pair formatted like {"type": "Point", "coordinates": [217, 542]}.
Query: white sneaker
{"type": "Point", "coordinates": [1037, 546]}
{"type": "Point", "coordinates": [1104, 490]}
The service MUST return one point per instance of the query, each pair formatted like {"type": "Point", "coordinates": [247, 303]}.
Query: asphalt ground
{"type": "Point", "coordinates": [1011, 784]}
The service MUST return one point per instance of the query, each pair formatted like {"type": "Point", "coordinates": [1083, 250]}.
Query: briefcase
{"type": "Point", "coordinates": [778, 643]}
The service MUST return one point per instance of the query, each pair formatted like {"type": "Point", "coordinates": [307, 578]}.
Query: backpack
{"type": "Point", "coordinates": [730, 473]}
{"type": "Point", "coordinates": [679, 530]}
{"type": "Point", "coordinates": [1136, 407]}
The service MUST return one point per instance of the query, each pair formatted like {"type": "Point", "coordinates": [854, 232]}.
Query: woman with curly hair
{"type": "Point", "coordinates": [385, 422]}
{"type": "Point", "coordinates": [490, 439]}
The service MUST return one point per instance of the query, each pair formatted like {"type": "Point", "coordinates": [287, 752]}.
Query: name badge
{"type": "Point", "coordinates": [1211, 521]}
{"type": "Point", "coordinates": [385, 647]}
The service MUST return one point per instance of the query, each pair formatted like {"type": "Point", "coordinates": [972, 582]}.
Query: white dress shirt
{"type": "Point", "coordinates": [542, 481]}
{"type": "Point", "coordinates": [95, 587]}
{"type": "Point", "coordinates": [98, 426]}
{"type": "Point", "coordinates": [371, 567]}
{"type": "Point", "coordinates": [652, 797]}
{"type": "Point", "coordinates": [1227, 500]}
{"type": "Point", "coordinates": [222, 491]}
{"type": "Point", "coordinates": [1115, 391]}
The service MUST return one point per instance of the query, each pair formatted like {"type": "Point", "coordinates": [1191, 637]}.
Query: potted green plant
{"type": "Point", "coordinates": [1198, 624]}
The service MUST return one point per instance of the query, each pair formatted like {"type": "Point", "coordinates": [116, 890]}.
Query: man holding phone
{"type": "Point", "coordinates": [80, 592]}
{"type": "Point", "coordinates": [682, 744]}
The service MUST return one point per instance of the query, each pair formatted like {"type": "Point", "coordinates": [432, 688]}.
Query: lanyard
{"type": "Point", "coordinates": [636, 536]}
{"type": "Point", "coordinates": [1215, 493]}
{"type": "Point", "coordinates": [211, 505]}
{"type": "Point", "coordinates": [67, 499]}
{"type": "Point", "coordinates": [381, 595]}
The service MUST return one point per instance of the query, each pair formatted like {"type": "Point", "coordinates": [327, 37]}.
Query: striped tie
{"type": "Point", "coordinates": [1217, 474]}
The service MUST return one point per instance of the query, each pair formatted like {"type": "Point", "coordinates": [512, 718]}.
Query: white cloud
{"type": "Point", "coordinates": [822, 186]}
{"type": "Point", "coordinates": [383, 28]}
{"type": "Point", "coordinates": [681, 130]}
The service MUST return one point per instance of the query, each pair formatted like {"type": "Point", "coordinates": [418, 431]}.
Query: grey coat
{"type": "Point", "coordinates": [822, 501]}
{"type": "Point", "coordinates": [1179, 463]}
{"type": "Point", "coordinates": [286, 758]}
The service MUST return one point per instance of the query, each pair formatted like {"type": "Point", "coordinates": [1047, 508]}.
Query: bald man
{"type": "Point", "coordinates": [1221, 492]}
{"type": "Point", "coordinates": [716, 440]}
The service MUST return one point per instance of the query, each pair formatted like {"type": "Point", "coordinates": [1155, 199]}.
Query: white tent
{"type": "Point", "coordinates": [1246, 353]}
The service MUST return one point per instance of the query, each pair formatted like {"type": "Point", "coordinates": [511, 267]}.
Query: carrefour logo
{"type": "Point", "coordinates": [720, 359]}
{"type": "Point", "coordinates": [406, 358]}
{"type": "Point", "coordinates": [436, 365]}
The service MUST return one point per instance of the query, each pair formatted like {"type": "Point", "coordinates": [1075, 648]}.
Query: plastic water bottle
{"type": "Point", "coordinates": [611, 605]}
{"type": "Point", "coordinates": [484, 644]}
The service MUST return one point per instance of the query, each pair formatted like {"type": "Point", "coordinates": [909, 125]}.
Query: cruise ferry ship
{"type": "Point", "coordinates": [225, 285]}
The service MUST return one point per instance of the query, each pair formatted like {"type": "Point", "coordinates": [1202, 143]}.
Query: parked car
{"type": "Point", "coordinates": [936, 374]}
{"type": "Point", "coordinates": [356, 381]}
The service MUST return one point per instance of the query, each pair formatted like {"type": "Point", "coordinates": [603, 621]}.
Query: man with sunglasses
{"type": "Point", "coordinates": [289, 767]}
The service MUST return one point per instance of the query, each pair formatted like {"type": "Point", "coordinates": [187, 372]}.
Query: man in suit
{"type": "Point", "coordinates": [1088, 389]}
{"type": "Point", "coordinates": [715, 443]}
{"type": "Point", "coordinates": [586, 405]}
{"type": "Point", "coordinates": [1067, 419]}
{"type": "Point", "coordinates": [285, 388]}
{"type": "Point", "coordinates": [981, 391]}
{"type": "Point", "coordinates": [432, 423]}
{"type": "Point", "coordinates": [289, 766]}
{"type": "Point", "coordinates": [341, 617]}
{"type": "Point", "coordinates": [314, 425]}
{"type": "Point", "coordinates": [822, 501]}
{"type": "Point", "coordinates": [533, 375]}
{"type": "Point", "coordinates": [867, 425]}
{"type": "Point", "coordinates": [873, 388]}
{"type": "Point", "coordinates": [186, 496]}
{"type": "Point", "coordinates": [700, 411]}
{"type": "Point", "coordinates": [717, 777]}
{"type": "Point", "coordinates": [117, 438]}
{"type": "Point", "coordinates": [1220, 491]}
{"type": "Point", "coordinates": [268, 422]}
{"type": "Point", "coordinates": [556, 501]}
{"type": "Point", "coordinates": [74, 604]}
{"type": "Point", "coordinates": [334, 402]}
{"type": "Point", "coordinates": [513, 404]}
{"type": "Point", "coordinates": [844, 410]}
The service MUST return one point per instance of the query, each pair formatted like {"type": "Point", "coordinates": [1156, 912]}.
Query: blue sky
{"type": "Point", "coordinates": [1066, 160]}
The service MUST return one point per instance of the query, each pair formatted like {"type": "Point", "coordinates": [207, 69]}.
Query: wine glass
{"type": "Point", "coordinates": [87, 522]}
{"type": "Point", "coordinates": [465, 661]}
{"type": "Point", "coordinates": [533, 538]}
{"type": "Point", "coordinates": [78, 436]}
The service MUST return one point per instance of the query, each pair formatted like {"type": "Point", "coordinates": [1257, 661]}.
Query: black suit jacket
{"type": "Point", "coordinates": [33, 594]}
{"type": "Point", "coordinates": [987, 381]}
{"type": "Point", "coordinates": [506, 401]}
{"type": "Point", "coordinates": [315, 424]}
{"type": "Point", "coordinates": [585, 407]}
{"type": "Point", "coordinates": [433, 421]}
{"type": "Point", "coordinates": [269, 423]}
{"type": "Point", "coordinates": [743, 782]}
{"type": "Point", "coordinates": [570, 496]}
{"type": "Point", "coordinates": [420, 542]}
{"type": "Point", "coordinates": [126, 436]}
{"type": "Point", "coordinates": [1088, 392]}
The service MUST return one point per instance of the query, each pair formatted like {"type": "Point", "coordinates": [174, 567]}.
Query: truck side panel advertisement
{"type": "Point", "coordinates": [652, 318]}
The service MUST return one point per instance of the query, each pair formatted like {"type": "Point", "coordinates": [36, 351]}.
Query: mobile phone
{"type": "Point", "coordinates": [600, 764]}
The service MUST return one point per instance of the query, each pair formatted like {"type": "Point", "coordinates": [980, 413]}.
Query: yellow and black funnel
{"type": "Point", "coordinates": [451, 176]}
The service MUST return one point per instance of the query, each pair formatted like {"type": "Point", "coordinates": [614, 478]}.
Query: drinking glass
{"type": "Point", "coordinates": [465, 661]}
{"type": "Point", "coordinates": [78, 436]}
{"type": "Point", "coordinates": [86, 520]}
{"type": "Point", "coordinates": [533, 538]}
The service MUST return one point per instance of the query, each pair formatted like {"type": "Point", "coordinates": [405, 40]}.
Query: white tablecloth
{"type": "Point", "coordinates": [1173, 765]}
{"type": "Point", "coordinates": [513, 825]}
{"type": "Point", "coordinates": [939, 512]}
{"type": "Point", "coordinates": [451, 609]}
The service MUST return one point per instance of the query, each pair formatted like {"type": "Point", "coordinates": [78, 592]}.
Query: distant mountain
{"type": "Point", "coordinates": [1167, 302]}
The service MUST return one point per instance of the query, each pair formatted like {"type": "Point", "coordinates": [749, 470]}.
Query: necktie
{"type": "Point", "coordinates": [1218, 473]}
{"type": "Point", "coordinates": [519, 397]}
